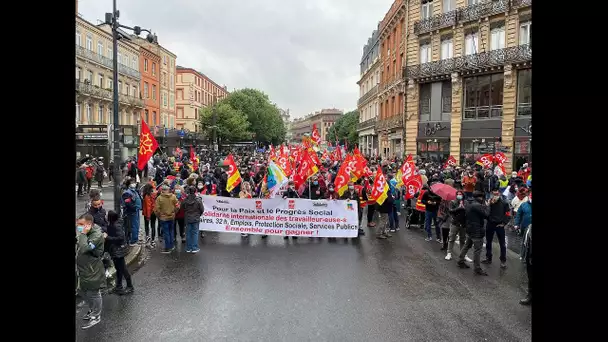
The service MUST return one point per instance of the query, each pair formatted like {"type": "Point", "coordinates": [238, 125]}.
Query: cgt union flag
{"type": "Point", "coordinates": [234, 176]}
{"type": "Point", "coordinates": [147, 146]}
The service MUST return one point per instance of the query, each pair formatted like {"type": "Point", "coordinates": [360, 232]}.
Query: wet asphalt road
{"type": "Point", "coordinates": [315, 290]}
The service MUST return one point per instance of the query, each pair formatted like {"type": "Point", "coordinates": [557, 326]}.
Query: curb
{"type": "Point", "coordinates": [131, 258]}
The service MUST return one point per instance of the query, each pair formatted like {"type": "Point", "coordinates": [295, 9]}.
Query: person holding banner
{"type": "Point", "coordinates": [245, 193]}
{"type": "Point", "coordinates": [356, 193]}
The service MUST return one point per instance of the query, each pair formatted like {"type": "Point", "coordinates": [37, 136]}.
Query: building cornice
{"type": "Point", "coordinates": [183, 70]}
{"type": "Point", "coordinates": [99, 31]}
{"type": "Point", "coordinates": [371, 69]}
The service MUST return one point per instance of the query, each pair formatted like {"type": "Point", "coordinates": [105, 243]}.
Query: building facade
{"type": "Point", "coordinates": [324, 119]}
{"type": "Point", "coordinates": [194, 91]}
{"type": "Point", "coordinates": [368, 95]}
{"type": "Point", "coordinates": [469, 77]}
{"type": "Point", "coordinates": [149, 67]}
{"type": "Point", "coordinates": [390, 126]}
{"type": "Point", "coordinates": [94, 90]}
{"type": "Point", "coordinates": [168, 73]}
{"type": "Point", "coordinates": [286, 122]}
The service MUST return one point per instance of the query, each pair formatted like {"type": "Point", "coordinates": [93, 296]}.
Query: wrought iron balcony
{"type": "Point", "coordinates": [482, 112]}
{"type": "Point", "coordinates": [481, 10]}
{"type": "Point", "coordinates": [436, 22]}
{"type": "Point", "coordinates": [105, 61]}
{"type": "Point", "coordinates": [500, 57]}
{"type": "Point", "coordinates": [366, 124]}
{"type": "Point", "coordinates": [371, 93]}
{"type": "Point", "coordinates": [395, 121]}
{"type": "Point", "coordinates": [520, 3]}
{"type": "Point", "coordinates": [86, 88]}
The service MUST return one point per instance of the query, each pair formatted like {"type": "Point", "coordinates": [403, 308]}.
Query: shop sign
{"type": "Point", "coordinates": [92, 136]}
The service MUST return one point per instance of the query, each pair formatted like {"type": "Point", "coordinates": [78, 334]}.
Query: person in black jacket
{"type": "Point", "coordinates": [291, 193]}
{"type": "Point", "coordinates": [475, 214]}
{"type": "Point", "coordinates": [432, 202]}
{"type": "Point", "coordinates": [193, 209]}
{"type": "Point", "coordinates": [499, 217]}
{"type": "Point", "coordinates": [385, 209]}
{"type": "Point", "coordinates": [118, 249]}
{"type": "Point", "coordinates": [313, 191]}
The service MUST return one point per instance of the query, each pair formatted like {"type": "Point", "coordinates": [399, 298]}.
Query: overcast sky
{"type": "Point", "coordinates": [304, 54]}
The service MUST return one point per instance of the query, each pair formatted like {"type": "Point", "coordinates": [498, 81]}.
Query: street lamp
{"type": "Point", "coordinates": [112, 20]}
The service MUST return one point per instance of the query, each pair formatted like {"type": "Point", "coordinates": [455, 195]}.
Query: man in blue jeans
{"type": "Point", "coordinates": [132, 204]}
{"type": "Point", "coordinates": [431, 201]}
{"type": "Point", "coordinates": [499, 217]}
{"type": "Point", "coordinates": [165, 209]}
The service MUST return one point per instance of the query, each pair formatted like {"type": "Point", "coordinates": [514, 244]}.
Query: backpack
{"type": "Point", "coordinates": [89, 173]}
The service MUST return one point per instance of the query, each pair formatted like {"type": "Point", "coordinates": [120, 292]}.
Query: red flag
{"type": "Point", "coordinates": [192, 155]}
{"type": "Point", "coordinates": [500, 158]}
{"type": "Point", "coordinates": [380, 188]}
{"type": "Point", "coordinates": [413, 186]}
{"type": "Point", "coordinates": [342, 178]}
{"type": "Point", "coordinates": [283, 163]}
{"type": "Point", "coordinates": [306, 169]}
{"type": "Point", "coordinates": [147, 146]}
{"type": "Point", "coordinates": [314, 157]}
{"type": "Point", "coordinates": [450, 162]}
{"type": "Point", "coordinates": [315, 137]}
{"type": "Point", "coordinates": [486, 161]}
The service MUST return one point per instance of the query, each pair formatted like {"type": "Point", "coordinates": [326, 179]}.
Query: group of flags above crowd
{"type": "Point", "coordinates": [300, 162]}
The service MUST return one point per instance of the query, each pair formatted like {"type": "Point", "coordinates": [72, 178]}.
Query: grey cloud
{"type": "Point", "coordinates": [303, 53]}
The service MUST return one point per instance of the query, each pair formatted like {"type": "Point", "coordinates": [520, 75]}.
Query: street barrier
{"type": "Point", "coordinates": [282, 217]}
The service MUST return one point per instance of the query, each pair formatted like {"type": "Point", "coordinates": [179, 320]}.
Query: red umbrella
{"type": "Point", "coordinates": [446, 192]}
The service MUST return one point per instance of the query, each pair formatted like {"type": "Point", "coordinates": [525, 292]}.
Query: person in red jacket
{"type": "Point", "coordinates": [179, 215]}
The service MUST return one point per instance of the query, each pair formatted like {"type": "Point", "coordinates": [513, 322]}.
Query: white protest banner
{"type": "Point", "coordinates": [278, 216]}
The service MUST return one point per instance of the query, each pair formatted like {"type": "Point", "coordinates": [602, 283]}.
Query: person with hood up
{"type": "Point", "coordinates": [132, 204]}
{"type": "Point", "coordinates": [165, 208]}
{"type": "Point", "coordinates": [425, 180]}
{"type": "Point", "coordinates": [193, 210]}
{"type": "Point", "coordinates": [100, 173]}
{"type": "Point", "coordinates": [90, 246]}
{"type": "Point", "coordinates": [431, 202]}
{"type": "Point", "coordinates": [476, 212]}
{"type": "Point", "coordinates": [386, 210]}
{"type": "Point", "coordinates": [457, 225]}
{"type": "Point", "coordinates": [500, 213]}
{"type": "Point", "coordinates": [117, 247]}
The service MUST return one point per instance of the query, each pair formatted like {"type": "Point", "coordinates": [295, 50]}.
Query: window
{"type": "Point", "coordinates": [525, 33]}
{"type": "Point", "coordinates": [172, 118]}
{"type": "Point", "coordinates": [425, 53]}
{"type": "Point", "coordinates": [153, 69]}
{"type": "Point", "coordinates": [470, 44]}
{"type": "Point", "coordinates": [78, 38]}
{"type": "Point", "coordinates": [436, 151]}
{"type": "Point", "coordinates": [146, 94]}
{"type": "Point", "coordinates": [425, 102]}
{"type": "Point", "coordinates": [146, 116]}
{"type": "Point", "coordinates": [100, 78]}
{"type": "Point", "coordinates": [483, 96]}
{"type": "Point", "coordinates": [180, 94]}
{"type": "Point", "coordinates": [446, 101]}
{"type": "Point", "coordinates": [90, 77]}
{"type": "Point", "coordinates": [171, 82]}
{"type": "Point", "coordinates": [164, 99]}
{"type": "Point", "coordinates": [119, 55]}
{"type": "Point", "coordinates": [154, 118]}
{"type": "Point", "coordinates": [78, 113]}
{"type": "Point", "coordinates": [100, 114]}
{"type": "Point", "coordinates": [110, 84]}
{"type": "Point", "coordinates": [125, 60]}
{"type": "Point", "coordinates": [127, 88]}
{"type": "Point", "coordinates": [165, 60]}
{"type": "Point", "coordinates": [100, 48]}
{"type": "Point", "coordinates": [145, 65]}
{"type": "Point", "coordinates": [154, 92]}
{"type": "Point", "coordinates": [426, 9]}
{"type": "Point", "coordinates": [172, 63]}
{"type": "Point", "coordinates": [524, 92]}
{"type": "Point", "coordinates": [89, 113]}
{"type": "Point", "coordinates": [469, 151]}
{"type": "Point", "coordinates": [163, 79]}
{"type": "Point", "coordinates": [472, 2]}
{"type": "Point", "coordinates": [110, 53]}
{"type": "Point", "coordinates": [134, 63]}
{"type": "Point", "coordinates": [89, 42]}
{"type": "Point", "coordinates": [448, 5]}
{"type": "Point", "coordinates": [171, 101]}
{"type": "Point", "coordinates": [497, 38]}
{"type": "Point", "coordinates": [119, 87]}
{"type": "Point", "coordinates": [447, 49]}
{"type": "Point", "coordinates": [78, 73]}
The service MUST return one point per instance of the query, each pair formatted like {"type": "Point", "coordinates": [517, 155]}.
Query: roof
{"type": "Point", "coordinates": [179, 68]}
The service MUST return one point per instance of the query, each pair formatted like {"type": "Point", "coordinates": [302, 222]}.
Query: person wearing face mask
{"type": "Point", "coordinates": [314, 190]}
{"type": "Point", "coordinates": [476, 212]}
{"type": "Point", "coordinates": [117, 247]}
{"type": "Point", "coordinates": [356, 193]}
{"type": "Point", "coordinates": [179, 214]}
{"type": "Point", "coordinates": [90, 247]}
{"type": "Point", "coordinates": [431, 202]}
{"type": "Point", "coordinates": [291, 193]}
{"type": "Point", "coordinates": [132, 203]}
{"type": "Point", "coordinates": [149, 194]}
{"type": "Point", "coordinates": [499, 216]}
{"type": "Point", "coordinates": [331, 194]}
{"type": "Point", "coordinates": [457, 225]}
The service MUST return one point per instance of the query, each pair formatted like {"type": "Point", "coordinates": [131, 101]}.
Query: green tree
{"type": "Point", "coordinates": [232, 124]}
{"type": "Point", "coordinates": [264, 118]}
{"type": "Point", "coordinates": [345, 129]}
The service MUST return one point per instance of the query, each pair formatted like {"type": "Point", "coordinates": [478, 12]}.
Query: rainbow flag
{"type": "Point", "coordinates": [276, 178]}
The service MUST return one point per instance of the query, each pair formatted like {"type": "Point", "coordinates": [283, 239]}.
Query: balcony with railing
{"type": "Point", "coordinates": [105, 61]}
{"type": "Point", "coordinates": [88, 89]}
{"type": "Point", "coordinates": [482, 112]}
{"type": "Point", "coordinates": [371, 93]}
{"type": "Point", "coordinates": [524, 109]}
{"type": "Point", "coordinates": [370, 123]}
{"type": "Point", "coordinates": [436, 22]}
{"type": "Point", "coordinates": [499, 57]}
{"type": "Point", "coordinates": [467, 14]}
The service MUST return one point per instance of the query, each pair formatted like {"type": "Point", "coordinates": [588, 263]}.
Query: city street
{"type": "Point", "coordinates": [315, 290]}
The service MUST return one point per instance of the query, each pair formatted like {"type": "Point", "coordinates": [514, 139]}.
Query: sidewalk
{"type": "Point", "coordinates": [107, 197]}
